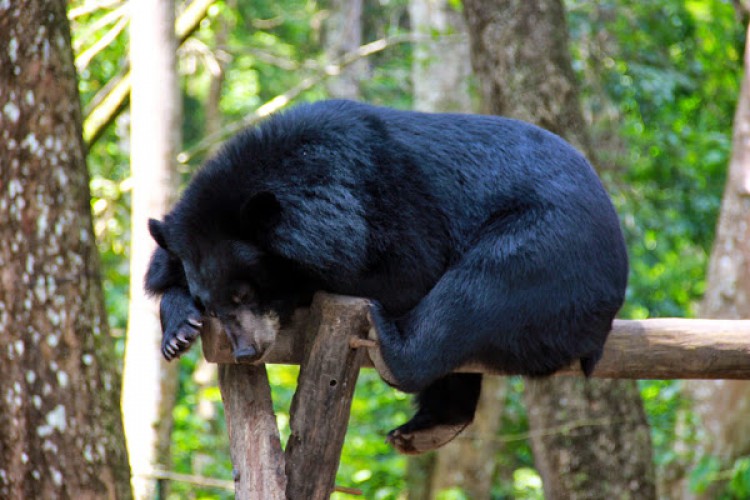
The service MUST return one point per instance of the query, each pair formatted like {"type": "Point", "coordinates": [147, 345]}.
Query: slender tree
{"type": "Point", "coordinates": [441, 66]}
{"type": "Point", "coordinates": [343, 34]}
{"type": "Point", "coordinates": [520, 56]}
{"type": "Point", "coordinates": [723, 405]}
{"type": "Point", "coordinates": [149, 383]}
{"type": "Point", "coordinates": [61, 431]}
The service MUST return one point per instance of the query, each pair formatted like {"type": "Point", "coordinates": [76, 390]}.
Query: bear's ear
{"type": "Point", "coordinates": [263, 208]}
{"type": "Point", "coordinates": [260, 213]}
{"type": "Point", "coordinates": [157, 230]}
{"type": "Point", "coordinates": [261, 205]}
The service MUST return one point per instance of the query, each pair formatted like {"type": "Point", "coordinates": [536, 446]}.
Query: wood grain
{"type": "Point", "coordinates": [321, 404]}
{"type": "Point", "coordinates": [253, 436]}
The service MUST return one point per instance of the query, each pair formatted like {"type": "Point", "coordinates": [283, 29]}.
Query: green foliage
{"type": "Point", "coordinates": [107, 161]}
{"type": "Point", "coordinates": [451, 494]}
{"type": "Point", "coordinates": [739, 479]}
{"type": "Point", "coordinates": [367, 462]}
{"type": "Point", "coordinates": [704, 474]}
{"type": "Point", "coordinates": [659, 82]}
{"type": "Point", "coordinates": [527, 484]}
{"type": "Point", "coordinates": [734, 483]}
{"type": "Point", "coordinates": [662, 77]}
{"type": "Point", "coordinates": [670, 418]}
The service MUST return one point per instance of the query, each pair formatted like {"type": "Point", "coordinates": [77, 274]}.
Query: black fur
{"type": "Point", "coordinates": [478, 239]}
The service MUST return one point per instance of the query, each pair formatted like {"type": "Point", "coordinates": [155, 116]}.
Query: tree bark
{"type": "Point", "coordinates": [342, 35]}
{"type": "Point", "coordinates": [723, 405]}
{"type": "Point", "coordinates": [441, 66]}
{"type": "Point", "coordinates": [61, 426]}
{"type": "Point", "coordinates": [520, 55]}
{"type": "Point", "coordinates": [149, 384]}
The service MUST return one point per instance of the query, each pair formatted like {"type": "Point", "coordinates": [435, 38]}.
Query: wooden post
{"type": "Point", "coordinates": [320, 409]}
{"type": "Point", "coordinates": [253, 435]}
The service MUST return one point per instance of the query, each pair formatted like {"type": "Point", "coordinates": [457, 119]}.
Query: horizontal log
{"type": "Point", "coordinates": [664, 348]}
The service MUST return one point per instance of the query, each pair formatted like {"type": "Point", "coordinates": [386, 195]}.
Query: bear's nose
{"type": "Point", "coordinates": [246, 355]}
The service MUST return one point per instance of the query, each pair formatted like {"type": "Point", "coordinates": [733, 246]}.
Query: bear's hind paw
{"type": "Point", "coordinates": [414, 442]}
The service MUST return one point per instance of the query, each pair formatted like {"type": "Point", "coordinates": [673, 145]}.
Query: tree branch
{"type": "Point", "coordinates": [115, 100]}
{"type": "Point", "coordinates": [86, 56]}
{"type": "Point", "coordinates": [280, 101]}
{"type": "Point", "coordinates": [91, 7]}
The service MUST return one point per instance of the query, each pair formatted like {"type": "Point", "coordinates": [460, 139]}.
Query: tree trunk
{"type": "Point", "coordinates": [520, 55]}
{"type": "Point", "coordinates": [441, 66]}
{"type": "Point", "coordinates": [60, 423]}
{"type": "Point", "coordinates": [149, 383]}
{"type": "Point", "coordinates": [343, 34]}
{"type": "Point", "coordinates": [468, 463]}
{"type": "Point", "coordinates": [723, 405]}
{"type": "Point", "coordinates": [440, 75]}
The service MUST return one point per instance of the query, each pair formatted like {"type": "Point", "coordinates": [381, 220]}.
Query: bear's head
{"type": "Point", "coordinates": [229, 279]}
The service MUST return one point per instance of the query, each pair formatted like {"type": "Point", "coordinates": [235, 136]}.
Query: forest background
{"type": "Point", "coordinates": [659, 84]}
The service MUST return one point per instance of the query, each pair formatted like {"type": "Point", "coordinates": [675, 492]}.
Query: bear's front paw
{"type": "Point", "coordinates": [181, 323]}
{"type": "Point", "coordinates": [178, 340]}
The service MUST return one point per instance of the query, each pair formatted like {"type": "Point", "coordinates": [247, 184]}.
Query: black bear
{"type": "Point", "coordinates": [477, 238]}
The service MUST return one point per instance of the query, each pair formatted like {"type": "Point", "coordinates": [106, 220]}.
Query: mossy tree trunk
{"type": "Point", "coordinates": [520, 56]}
{"type": "Point", "coordinates": [60, 423]}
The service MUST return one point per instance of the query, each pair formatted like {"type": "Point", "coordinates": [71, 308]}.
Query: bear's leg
{"type": "Point", "coordinates": [445, 408]}
{"type": "Point", "coordinates": [514, 302]}
{"type": "Point", "coordinates": [471, 314]}
{"type": "Point", "coordinates": [422, 348]}
{"type": "Point", "coordinates": [181, 322]}
{"type": "Point", "coordinates": [456, 322]}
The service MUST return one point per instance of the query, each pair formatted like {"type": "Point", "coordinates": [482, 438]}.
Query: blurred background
{"type": "Point", "coordinates": [648, 90]}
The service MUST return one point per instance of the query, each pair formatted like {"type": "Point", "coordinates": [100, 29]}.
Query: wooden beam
{"type": "Point", "coordinates": [321, 404]}
{"type": "Point", "coordinates": [677, 348]}
{"type": "Point", "coordinates": [253, 436]}
{"type": "Point", "coordinates": [665, 348]}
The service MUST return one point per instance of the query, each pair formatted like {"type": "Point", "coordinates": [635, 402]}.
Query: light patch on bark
{"type": "Point", "coordinates": [12, 112]}
{"type": "Point", "coordinates": [13, 50]}
{"type": "Point", "coordinates": [56, 419]}
{"type": "Point", "coordinates": [62, 379]}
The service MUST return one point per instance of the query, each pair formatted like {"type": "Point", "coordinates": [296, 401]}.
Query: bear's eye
{"type": "Point", "coordinates": [242, 295]}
